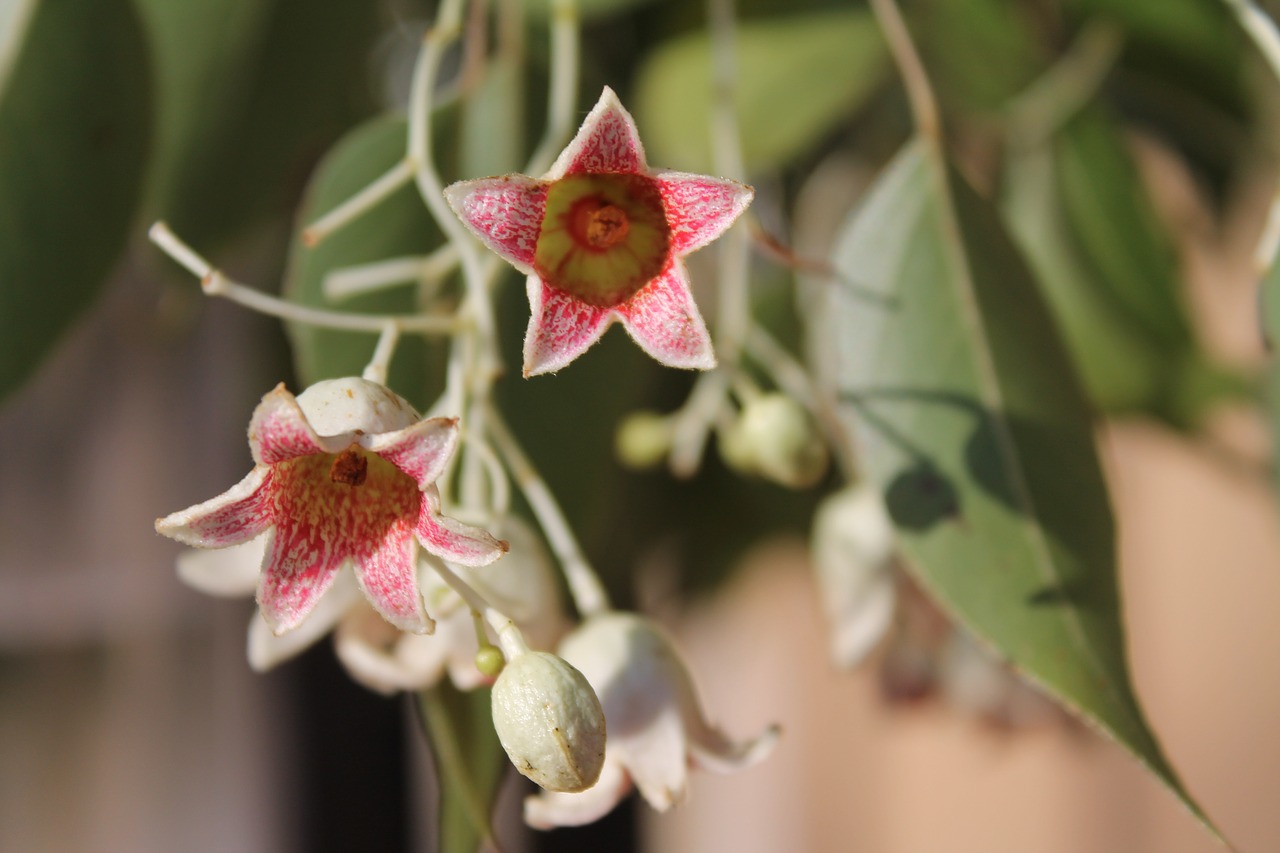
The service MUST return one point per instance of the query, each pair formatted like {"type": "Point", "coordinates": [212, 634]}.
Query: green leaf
{"type": "Point", "coordinates": [972, 422]}
{"type": "Point", "coordinates": [798, 77]}
{"type": "Point", "coordinates": [979, 52]}
{"type": "Point", "coordinates": [588, 10]}
{"type": "Point", "coordinates": [74, 125]}
{"type": "Point", "coordinates": [1080, 212]}
{"type": "Point", "coordinates": [250, 92]}
{"type": "Point", "coordinates": [398, 227]}
{"type": "Point", "coordinates": [493, 121]}
{"type": "Point", "coordinates": [469, 761]}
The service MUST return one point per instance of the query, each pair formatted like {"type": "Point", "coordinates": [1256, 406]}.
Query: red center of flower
{"type": "Point", "coordinates": [349, 467]}
{"type": "Point", "coordinates": [596, 224]}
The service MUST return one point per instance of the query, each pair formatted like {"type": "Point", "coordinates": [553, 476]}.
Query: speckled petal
{"type": "Point", "coordinates": [452, 540]}
{"type": "Point", "coordinates": [266, 650]}
{"type": "Point", "coordinates": [504, 212]}
{"type": "Point", "coordinates": [422, 451]}
{"type": "Point", "coordinates": [561, 328]}
{"type": "Point", "coordinates": [606, 142]}
{"type": "Point", "coordinates": [237, 515]}
{"type": "Point", "coordinates": [279, 430]}
{"type": "Point", "coordinates": [700, 208]}
{"type": "Point", "coordinates": [664, 321]}
{"type": "Point", "coordinates": [386, 574]}
{"type": "Point", "coordinates": [548, 810]}
{"type": "Point", "coordinates": [296, 571]}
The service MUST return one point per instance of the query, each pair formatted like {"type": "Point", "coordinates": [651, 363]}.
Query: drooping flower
{"type": "Point", "coordinates": [600, 237]}
{"type": "Point", "coordinates": [656, 725]}
{"type": "Point", "coordinates": [344, 475]}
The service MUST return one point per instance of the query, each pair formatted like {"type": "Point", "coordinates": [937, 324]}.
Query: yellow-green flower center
{"type": "Point", "coordinates": [603, 237]}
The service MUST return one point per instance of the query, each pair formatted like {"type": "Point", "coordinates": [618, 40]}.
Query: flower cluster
{"type": "Point", "coordinates": [339, 527]}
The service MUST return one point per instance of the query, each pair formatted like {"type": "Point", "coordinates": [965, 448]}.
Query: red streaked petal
{"type": "Point", "coordinates": [664, 321]}
{"type": "Point", "coordinates": [700, 208]}
{"type": "Point", "coordinates": [450, 539]}
{"type": "Point", "coordinates": [266, 650]}
{"type": "Point", "coordinates": [606, 142]}
{"type": "Point", "coordinates": [298, 568]}
{"type": "Point", "coordinates": [504, 212]}
{"type": "Point", "coordinates": [561, 328]}
{"type": "Point", "coordinates": [422, 451]}
{"type": "Point", "coordinates": [279, 430]}
{"type": "Point", "coordinates": [237, 515]}
{"type": "Point", "coordinates": [387, 576]}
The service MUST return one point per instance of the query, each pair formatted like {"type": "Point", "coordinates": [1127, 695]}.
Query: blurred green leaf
{"type": "Point", "coordinates": [74, 125]}
{"type": "Point", "coordinates": [798, 77]}
{"type": "Point", "coordinates": [470, 763]}
{"type": "Point", "coordinates": [400, 226]}
{"type": "Point", "coordinates": [588, 10]}
{"type": "Point", "coordinates": [250, 93]}
{"type": "Point", "coordinates": [1081, 213]}
{"type": "Point", "coordinates": [979, 52]}
{"type": "Point", "coordinates": [493, 122]}
{"type": "Point", "coordinates": [971, 420]}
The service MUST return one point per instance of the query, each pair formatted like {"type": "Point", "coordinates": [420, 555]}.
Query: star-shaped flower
{"type": "Point", "coordinates": [600, 237]}
{"type": "Point", "coordinates": [656, 725]}
{"type": "Point", "coordinates": [345, 474]}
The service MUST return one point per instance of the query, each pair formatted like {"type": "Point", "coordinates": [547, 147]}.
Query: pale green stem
{"type": "Point", "coordinates": [431, 270]}
{"type": "Point", "coordinates": [376, 370]}
{"type": "Point", "coordinates": [565, 50]}
{"type": "Point", "coordinates": [399, 175]}
{"type": "Point", "coordinates": [690, 424]}
{"type": "Point", "coordinates": [509, 636]}
{"type": "Point", "coordinates": [924, 106]}
{"type": "Point", "coordinates": [584, 584]}
{"type": "Point", "coordinates": [215, 283]}
{"type": "Point", "coordinates": [1040, 110]}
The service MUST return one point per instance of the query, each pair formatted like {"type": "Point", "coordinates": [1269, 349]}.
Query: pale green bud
{"type": "Point", "coordinates": [643, 439]}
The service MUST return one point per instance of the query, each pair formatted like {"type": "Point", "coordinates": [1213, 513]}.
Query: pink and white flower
{"type": "Point", "coordinates": [345, 475]}
{"type": "Point", "coordinates": [657, 729]}
{"type": "Point", "coordinates": [601, 237]}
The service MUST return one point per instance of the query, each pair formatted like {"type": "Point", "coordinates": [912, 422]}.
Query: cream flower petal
{"type": "Point", "coordinates": [607, 142]}
{"type": "Point", "coordinates": [384, 660]}
{"type": "Point", "coordinates": [422, 450]}
{"type": "Point", "coordinates": [237, 515]}
{"type": "Point", "coordinates": [232, 571]}
{"type": "Point", "coordinates": [266, 650]}
{"type": "Point", "coordinates": [561, 328]}
{"type": "Point", "coordinates": [548, 809]}
{"type": "Point", "coordinates": [655, 754]}
{"type": "Point", "coordinates": [664, 320]}
{"type": "Point", "coordinates": [505, 213]}
{"type": "Point", "coordinates": [700, 208]}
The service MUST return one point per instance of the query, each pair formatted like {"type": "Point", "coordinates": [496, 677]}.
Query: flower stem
{"type": "Point", "coordinates": [584, 584]}
{"type": "Point", "coordinates": [431, 269]}
{"type": "Point", "coordinates": [353, 208]}
{"type": "Point", "coordinates": [565, 49]}
{"type": "Point", "coordinates": [924, 106]}
{"type": "Point", "coordinates": [215, 283]}
{"type": "Point", "coordinates": [376, 370]}
{"type": "Point", "coordinates": [510, 639]}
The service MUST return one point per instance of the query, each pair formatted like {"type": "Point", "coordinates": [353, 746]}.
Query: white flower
{"type": "Point", "coordinates": [656, 726]}
{"type": "Point", "coordinates": [853, 555]}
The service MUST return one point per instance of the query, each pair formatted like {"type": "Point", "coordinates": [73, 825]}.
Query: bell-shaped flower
{"type": "Point", "coordinates": [657, 729]}
{"type": "Point", "coordinates": [344, 475]}
{"type": "Point", "coordinates": [522, 585]}
{"type": "Point", "coordinates": [600, 237]}
{"type": "Point", "coordinates": [853, 548]}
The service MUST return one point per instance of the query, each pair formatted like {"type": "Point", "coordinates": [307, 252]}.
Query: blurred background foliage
{"type": "Point", "coordinates": [239, 120]}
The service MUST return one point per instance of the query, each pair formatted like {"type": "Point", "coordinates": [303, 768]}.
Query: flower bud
{"type": "Point", "coordinates": [776, 437]}
{"type": "Point", "coordinates": [643, 440]}
{"type": "Point", "coordinates": [550, 722]}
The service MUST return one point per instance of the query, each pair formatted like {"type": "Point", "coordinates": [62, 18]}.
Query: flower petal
{"type": "Point", "coordinates": [709, 749]}
{"type": "Point", "coordinates": [266, 650]}
{"type": "Point", "coordinates": [235, 516]}
{"type": "Point", "coordinates": [279, 430]}
{"type": "Point", "coordinates": [505, 213]}
{"type": "Point", "coordinates": [383, 659]}
{"type": "Point", "coordinates": [606, 142]}
{"type": "Point", "coordinates": [664, 320]}
{"type": "Point", "coordinates": [700, 208]}
{"type": "Point", "coordinates": [231, 572]}
{"type": "Point", "coordinates": [548, 809]}
{"type": "Point", "coordinates": [388, 577]}
{"type": "Point", "coordinates": [296, 572]}
{"type": "Point", "coordinates": [655, 755]}
{"type": "Point", "coordinates": [561, 328]}
{"type": "Point", "coordinates": [450, 539]}
{"type": "Point", "coordinates": [422, 451]}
